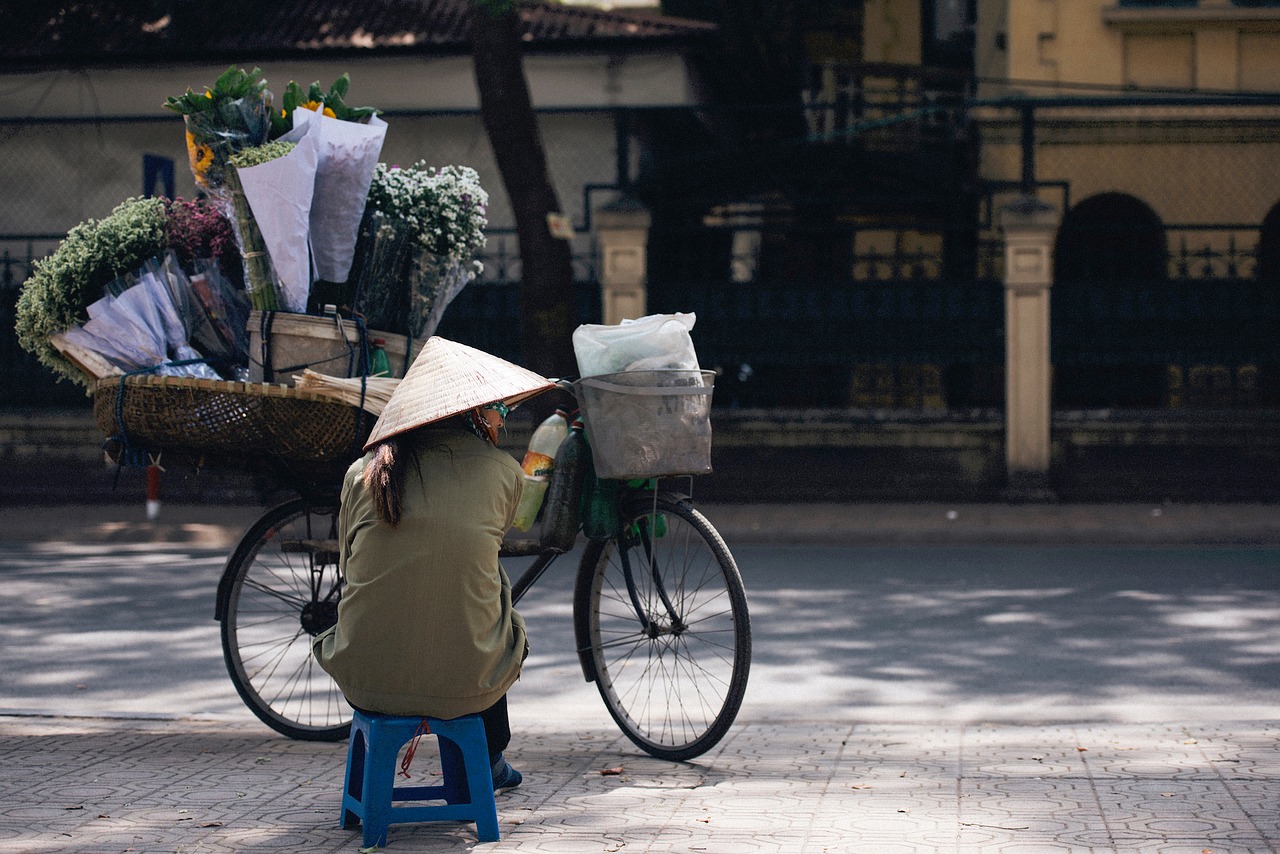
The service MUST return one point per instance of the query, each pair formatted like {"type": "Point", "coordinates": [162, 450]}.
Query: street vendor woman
{"type": "Point", "coordinates": [426, 624]}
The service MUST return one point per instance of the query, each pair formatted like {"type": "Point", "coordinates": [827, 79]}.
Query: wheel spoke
{"type": "Point", "coordinates": [292, 601]}
{"type": "Point", "coordinates": [672, 675]}
{"type": "Point", "coordinates": [277, 600]}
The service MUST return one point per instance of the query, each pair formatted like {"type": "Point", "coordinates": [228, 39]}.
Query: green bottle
{"type": "Point", "coordinates": [561, 519]}
{"type": "Point", "coordinates": [379, 364]}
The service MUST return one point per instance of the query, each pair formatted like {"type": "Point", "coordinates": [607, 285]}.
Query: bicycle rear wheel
{"type": "Point", "coordinates": [281, 588]}
{"type": "Point", "coordinates": [663, 614]}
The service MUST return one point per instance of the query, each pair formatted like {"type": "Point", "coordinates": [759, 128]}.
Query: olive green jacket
{"type": "Point", "coordinates": [426, 625]}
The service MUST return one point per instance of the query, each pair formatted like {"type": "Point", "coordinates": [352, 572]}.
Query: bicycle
{"type": "Point", "coordinates": [659, 610]}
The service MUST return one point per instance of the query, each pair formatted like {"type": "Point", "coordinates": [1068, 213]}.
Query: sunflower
{"type": "Point", "coordinates": [200, 156]}
{"type": "Point", "coordinates": [316, 105]}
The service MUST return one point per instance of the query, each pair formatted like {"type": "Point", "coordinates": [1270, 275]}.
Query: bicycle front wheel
{"type": "Point", "coordinates": [663, 612]}
{"type": "Point", "coordinates": [281, 589]}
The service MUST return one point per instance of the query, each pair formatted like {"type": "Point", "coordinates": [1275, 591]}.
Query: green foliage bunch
{"type": "Point", "coordinates": [234, 114]}
{"type": "Point", "coordinates": [234, 84]}
{"type": "Point", "coordinates": [332, 103]}
{"type": "Point", "coordinates": [62, 286]}
{"type": "Point", "coordinates": [259, 154]}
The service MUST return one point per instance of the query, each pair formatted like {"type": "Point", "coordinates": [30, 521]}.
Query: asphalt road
{"type": "Point", "coordinates": [885, 633]}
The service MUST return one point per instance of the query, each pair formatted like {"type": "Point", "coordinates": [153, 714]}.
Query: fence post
{"type": "Point", "coordinates": [622, 234]}
{"type": "Point", "coordinates": [1029, 226]}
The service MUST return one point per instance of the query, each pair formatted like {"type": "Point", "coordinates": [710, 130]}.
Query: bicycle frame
{"type": "Point", "coordinates": [659, 612]}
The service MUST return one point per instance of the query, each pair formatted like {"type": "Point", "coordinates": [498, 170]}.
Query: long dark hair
{"type": "Point", "coordinates": [384, 478]}
{"type": "Point", "coordinates": [385, 474]}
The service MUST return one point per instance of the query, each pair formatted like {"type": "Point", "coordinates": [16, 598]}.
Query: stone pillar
{"type": "Point", "coordinates": [1029, 226]}
{"type": "Point", "coordinates": [622, 234]}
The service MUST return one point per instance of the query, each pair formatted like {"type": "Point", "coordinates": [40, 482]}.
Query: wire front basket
{"type": "Point", "coordinates": [643, 424]}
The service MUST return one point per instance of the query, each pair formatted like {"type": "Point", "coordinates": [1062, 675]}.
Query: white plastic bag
{"type": "Point", "coordinates": [653, 343]}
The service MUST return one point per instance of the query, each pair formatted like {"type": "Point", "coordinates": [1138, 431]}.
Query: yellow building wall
{"type": "Point", "coordinates": [1259, 57]}
{"type": "Point", "coordinates": [1160, 60]}
{"type": "Point", "coordinates": [891, 31]}
{"type": "Point", "coordinates": [1190, 165]}
{"type": "Point", "coordinates": [1174, 178]}
{"type": "Point", "coordinates": [1214, 46]}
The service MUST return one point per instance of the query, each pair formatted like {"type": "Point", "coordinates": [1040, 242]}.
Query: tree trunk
{"type": "Point", "coordinates": [546, 288]}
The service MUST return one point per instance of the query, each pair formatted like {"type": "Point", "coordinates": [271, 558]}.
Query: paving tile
{"type": "Point", "coordinates": [799, 789]}
{"type": "Point", "coordinates": [1261, 803]}
{"type": "Point", "coordinates": [1022, 847]}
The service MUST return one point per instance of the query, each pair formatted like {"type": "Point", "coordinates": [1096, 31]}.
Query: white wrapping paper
{"type": "Point", "coordinates": [280, 194]}
{"type": "Point", "coordinates": [347, 155]}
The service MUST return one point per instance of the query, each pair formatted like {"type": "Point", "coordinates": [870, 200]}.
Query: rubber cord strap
{"type": "Point", "coordinates": [361, 415]}
{"type": "Point", "coordinates": [129, 455]}
{"type": "Point", "coordinates": [424, 728]}
{"type": "Point", "coordinates": [357, 356]}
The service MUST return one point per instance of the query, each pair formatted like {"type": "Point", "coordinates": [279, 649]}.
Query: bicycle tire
{"type": "Point", "coordinates": [281, 589]}
{"type": "Point", "coordinates": [674, 686]}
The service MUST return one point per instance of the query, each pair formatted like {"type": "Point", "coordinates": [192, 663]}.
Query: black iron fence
{"type": "Point", "coordinates": [889, 296]}
{"type": "Point", "coordinates": [1145, 328]}
{"type": "Point", "coordinates": [868, 318]}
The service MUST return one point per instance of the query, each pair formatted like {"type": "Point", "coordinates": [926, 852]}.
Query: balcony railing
{"type": "Point", "coordinates": [884, 103]}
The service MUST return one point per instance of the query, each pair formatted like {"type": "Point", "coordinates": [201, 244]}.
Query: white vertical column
{"type": "Point", "coordinates": [622, 233]}
{"type": "Point", "coordinates": [1029, 227]}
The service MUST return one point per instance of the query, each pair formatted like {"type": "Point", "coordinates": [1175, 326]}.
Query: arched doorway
{"type": "Point", "coordinates": [1109, 258]}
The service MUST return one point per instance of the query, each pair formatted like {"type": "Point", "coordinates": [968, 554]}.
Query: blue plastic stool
{"type": "Point", "coordinates": [371, 767]}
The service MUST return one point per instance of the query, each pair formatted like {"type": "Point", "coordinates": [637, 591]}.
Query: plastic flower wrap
{"type": "Point", "coordinates": [421, 230]}
{"type": "Point", "coordinates": [213, 313]}
{"type": "Point", "coordinates": [385, 248]}
{"type": "Point", "coordinates": [347, 154]}
{"type": "Point", "coordinates": [434, 281]}
{"type": "Point", "coordinates": [232, 115]}
{"type": "Point", "coordinates": [143, 323]}
{"type": "Point", "coordinates": [223, 335]}
{"type": "Point", "coordinates": [55, 296]}
{"type": "Point", "coordinates": [348, 141]}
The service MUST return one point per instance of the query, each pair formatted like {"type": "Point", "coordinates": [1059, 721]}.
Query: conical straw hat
{"type": "Point", "coordinates": [448, 378]}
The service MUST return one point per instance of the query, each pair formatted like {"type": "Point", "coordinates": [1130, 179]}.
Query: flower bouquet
{"type": "Point", "coordinates": [271, 189]}
{"type": "Point", "coordinates": [421, 229]}
{"type": "Point", "coordinates": [203, 242]}
{"type": "Point", "coordinates": [117, 288]}
{"type": "Point", "coordinates": [232, 115]}
{"type": "Point", "coordinates": [292, 206]}
{"type": "Point", "coordinates": [348, 141]}
{"type": "Point", "coordinates": [145, 322]}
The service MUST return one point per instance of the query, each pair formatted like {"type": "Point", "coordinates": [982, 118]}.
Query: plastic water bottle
{"type": "Point", "coordinates": [539, 462]}
{"type": "Point", "coordinates": [561, 518]}
{"type": "Point", "coordinates": [379, 364]}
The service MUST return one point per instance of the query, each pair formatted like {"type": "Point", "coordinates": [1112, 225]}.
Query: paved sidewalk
{"type": "Point", "coordinates": [1128, 745]}
{"type": "Point", "coordinates": [91, 786]}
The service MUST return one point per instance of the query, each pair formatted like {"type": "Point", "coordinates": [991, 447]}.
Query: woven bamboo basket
{"type": "Point", "coordinates": [213, 420]}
